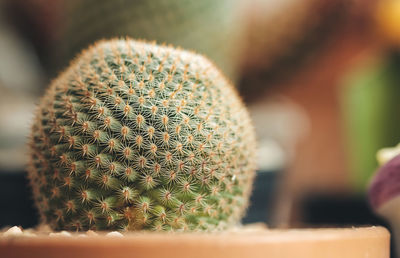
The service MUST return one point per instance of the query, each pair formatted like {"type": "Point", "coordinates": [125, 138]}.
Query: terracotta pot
{"type": "Point", "coordinates": [307, 243]}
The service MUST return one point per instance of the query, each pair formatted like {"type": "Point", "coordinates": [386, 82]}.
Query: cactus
{"type": "Point", "coordinates": [209, 27]}
{"type": "Point", "coordinates": [139, 136]}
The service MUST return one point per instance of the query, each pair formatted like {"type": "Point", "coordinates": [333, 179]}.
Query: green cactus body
{"type": "Point", "coordinates": [138, 136]}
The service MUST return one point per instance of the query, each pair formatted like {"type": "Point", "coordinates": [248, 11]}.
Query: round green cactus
{"type": "Point", "coordinates": [138, 136]}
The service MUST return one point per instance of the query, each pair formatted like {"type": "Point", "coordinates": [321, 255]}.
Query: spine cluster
{"type": "Point", "coordinates": [137, 136]}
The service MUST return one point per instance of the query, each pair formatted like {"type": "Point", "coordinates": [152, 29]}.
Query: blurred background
{"type": "Point", "coordinates": [321, 79]}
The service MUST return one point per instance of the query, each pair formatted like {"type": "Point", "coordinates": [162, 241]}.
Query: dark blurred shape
{"type": "Point", "coordinates": [337, 210]}
{"type": "Point", "coordinates": [263, 197]}
{"type": "Point", "coordinates": [15, 201]}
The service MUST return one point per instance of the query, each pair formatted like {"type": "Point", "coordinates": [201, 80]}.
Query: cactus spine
{"type": "Point", "coordinates": [138, 136]}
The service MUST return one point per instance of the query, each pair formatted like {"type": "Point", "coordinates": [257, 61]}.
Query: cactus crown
{"type": "Point", "coordinates": [138, 136]}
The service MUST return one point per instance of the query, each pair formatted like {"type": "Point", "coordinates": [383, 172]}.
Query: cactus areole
{"type": "Point", "coordinates": [139, 136]}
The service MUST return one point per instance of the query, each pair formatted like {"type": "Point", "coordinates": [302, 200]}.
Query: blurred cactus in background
{"type": "Point", "coordinates": [209, 27]}
{"type": "Point", "coordinates": [137, 136]}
